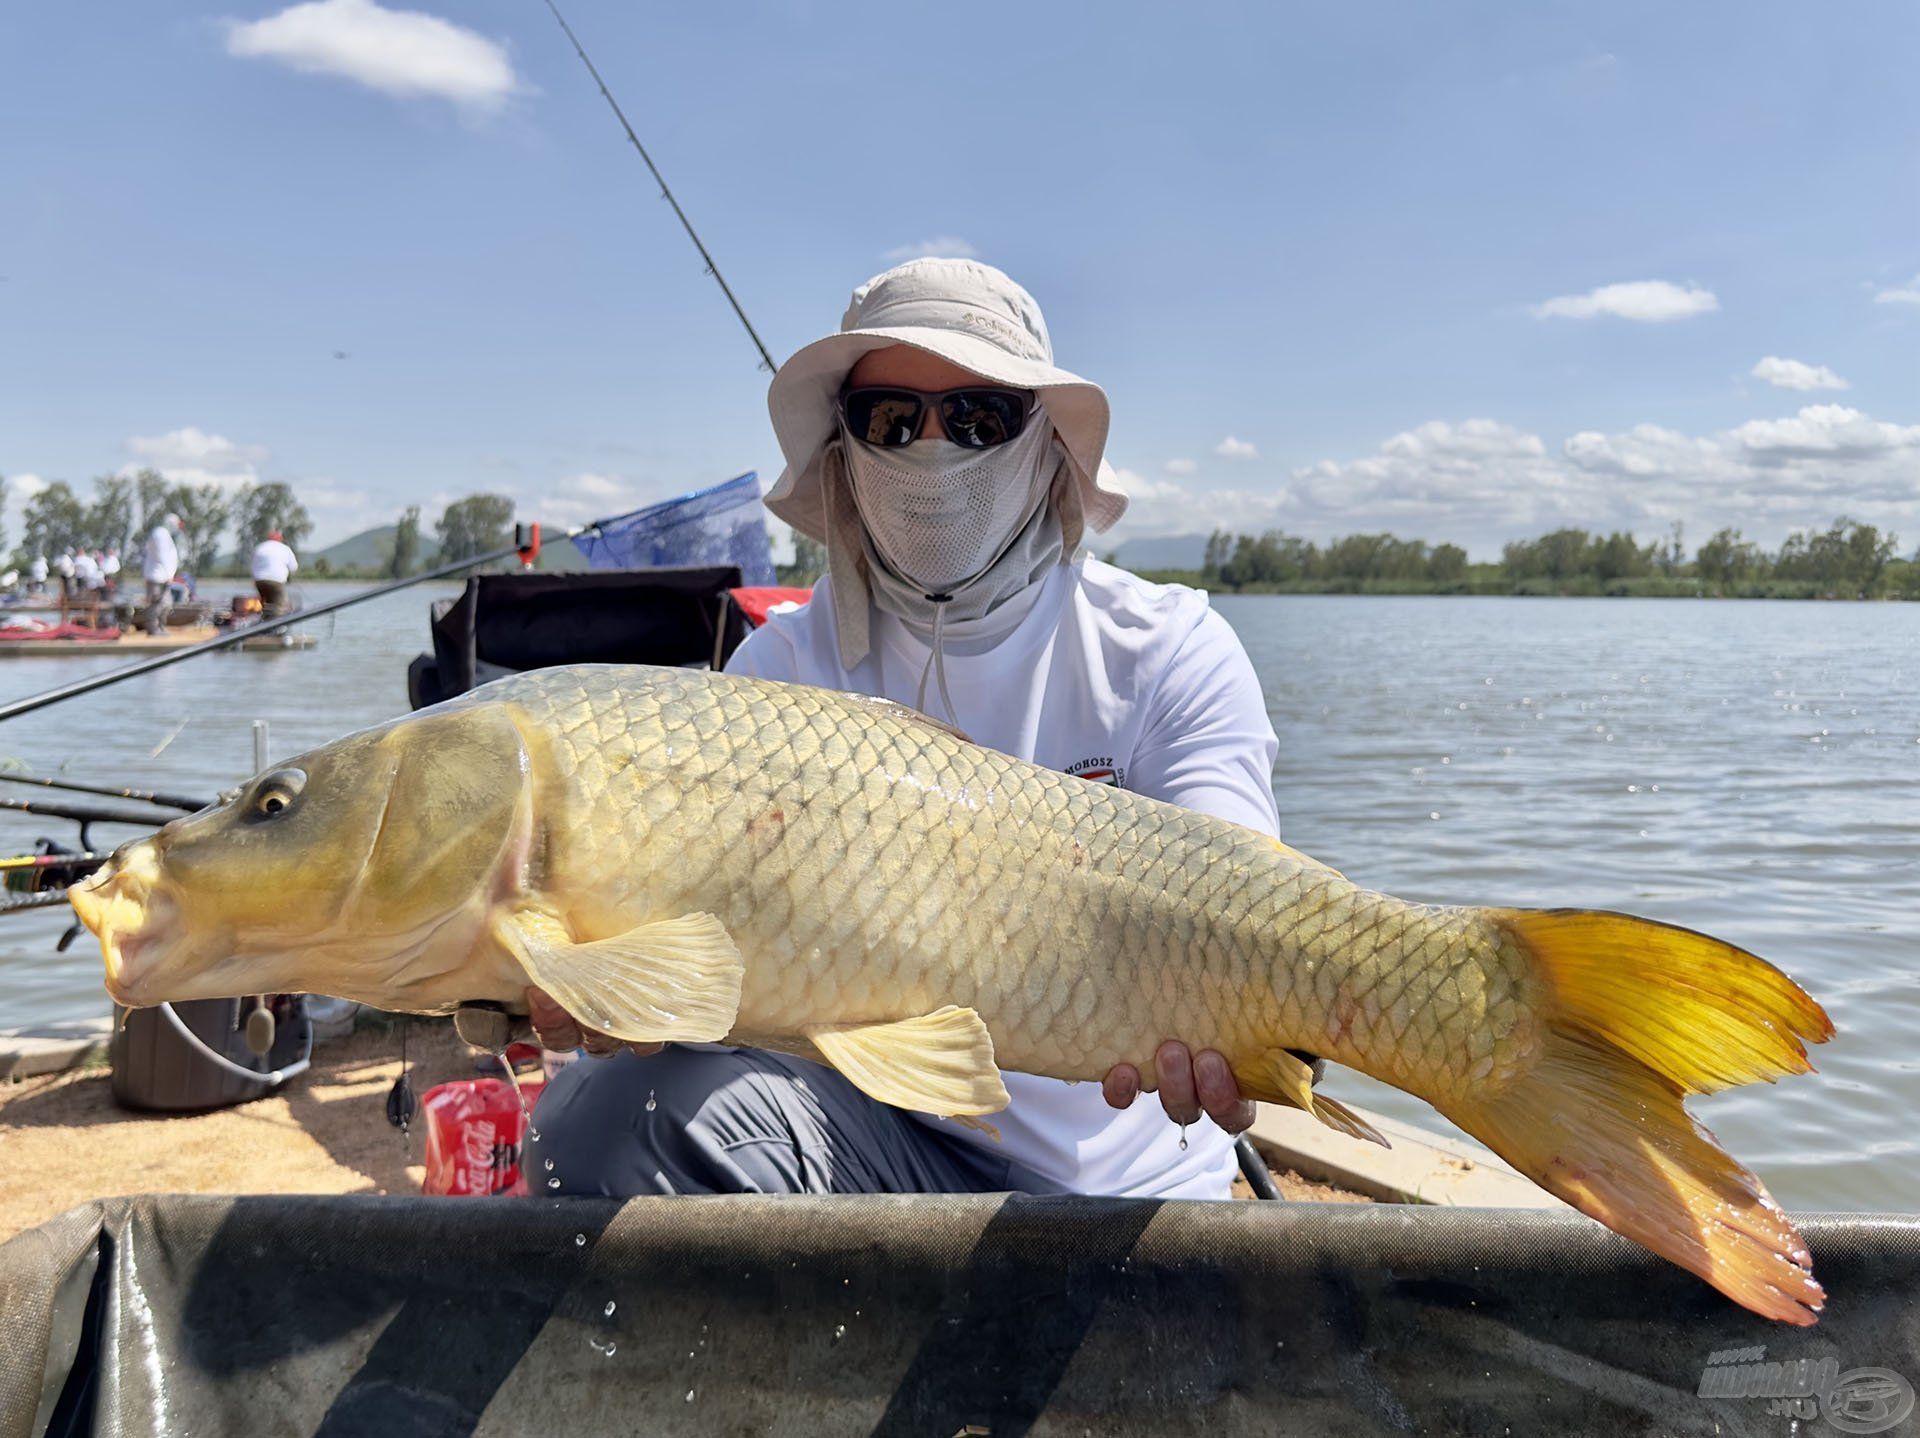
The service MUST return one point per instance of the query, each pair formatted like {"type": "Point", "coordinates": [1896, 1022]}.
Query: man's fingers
{"type": "Point", "coordinates": [1219, 1092]}
{"type": "Point", "coordinates": [1121, 1085]}
{"type": "Point", "coordinates": [552, 1025]}
{"type": "Point", "coordinates": [1177, 1093]}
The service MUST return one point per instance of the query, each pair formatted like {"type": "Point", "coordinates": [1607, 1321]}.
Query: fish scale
{"type": "Point", "coordinates": [900, 846]}
{"type": "Point", "coordinates": [679, 855]}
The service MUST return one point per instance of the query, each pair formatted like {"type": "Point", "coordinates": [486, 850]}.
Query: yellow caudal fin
{"type": "Point", "coordinates": [1638, 1016]}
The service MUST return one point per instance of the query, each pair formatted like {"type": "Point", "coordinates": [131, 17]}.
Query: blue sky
{"type": "Point", "coordinates": [1464, 271]}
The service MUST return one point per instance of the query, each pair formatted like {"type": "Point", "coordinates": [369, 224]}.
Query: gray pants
{"type": "Point", "coordinates": [696, 1120]}
{"type": "Point", "coordinates": [159, 600]}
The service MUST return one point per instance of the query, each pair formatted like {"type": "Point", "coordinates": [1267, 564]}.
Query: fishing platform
{"type": "Point", "coordinates": [123, 642]}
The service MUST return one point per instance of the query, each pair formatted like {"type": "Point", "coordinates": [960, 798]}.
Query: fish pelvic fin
{"type": "Point", "coordinates": [675, 980]}
{"type": "Point", "coordinates": [1638, 1016]}
{"type": "Point", "coordinates": [939, 1063]}
{"type": "Point", "coordinates": [1278, 1076]}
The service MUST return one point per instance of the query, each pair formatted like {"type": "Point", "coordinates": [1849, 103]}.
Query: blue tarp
{"type": "Point", "coordinates": [721, 525]}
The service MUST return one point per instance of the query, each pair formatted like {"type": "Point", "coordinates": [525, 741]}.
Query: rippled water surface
{"type": "Point", "coordinates": [1748, 768]}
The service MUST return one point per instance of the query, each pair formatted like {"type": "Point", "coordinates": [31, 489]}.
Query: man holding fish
{"type": "Point", "coordinates": [901, 934]}
{"type": "Point", "coordinates": [952, 470]}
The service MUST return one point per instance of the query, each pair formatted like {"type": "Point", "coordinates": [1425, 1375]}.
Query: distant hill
{"type": "Point", "coordinates": [1164, 551]}
{"type": "Point", "coordinates": [369, 549]}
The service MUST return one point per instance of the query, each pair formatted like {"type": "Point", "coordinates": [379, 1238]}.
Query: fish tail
{"type": "Point", "coordinates": [1638, 1015]}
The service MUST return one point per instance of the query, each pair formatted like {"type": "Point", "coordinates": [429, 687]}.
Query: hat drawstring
{"type": "Point", "coordinates": [936, 662]}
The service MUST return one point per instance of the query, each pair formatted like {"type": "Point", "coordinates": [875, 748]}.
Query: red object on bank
{"type": "Point", "coordinates": [755, 603]}
{"type": "Point", "coordinates": [475, 1136]}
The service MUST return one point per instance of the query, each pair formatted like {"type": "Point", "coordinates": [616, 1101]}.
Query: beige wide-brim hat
{"type": "Point", "coordinates": [966, 313]}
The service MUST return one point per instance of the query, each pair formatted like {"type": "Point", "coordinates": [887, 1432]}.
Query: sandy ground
{"type": "Point", "coordinates": [63, 1140]}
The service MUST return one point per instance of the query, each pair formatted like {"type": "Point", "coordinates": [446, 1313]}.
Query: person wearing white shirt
{"type": "Point", "coordinates": [951, 470]}
{"type": "Point", "coordinates": [63, 569]}
{"type": "Point", "coordinates": [37, 575]}
{"type": "Point", "coordinates": [159, 562]}
{"type": "Point", "coordinates": [90, 583]}
{"type": "Point", "coordinates": [110, 566]}
{"type": "Point", "coordinates": [273, 565]}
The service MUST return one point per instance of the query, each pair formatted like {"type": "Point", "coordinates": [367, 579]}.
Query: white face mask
{"type": "Point", "coordinates": [941, 514]}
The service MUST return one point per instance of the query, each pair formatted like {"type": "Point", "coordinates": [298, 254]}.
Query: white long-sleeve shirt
{"type": "Point", "coordinates": [1095, 672]}
{"type": "Point", "coordinates": [273, 560]}
{"type": "Point", "coordinates": [161, 559]}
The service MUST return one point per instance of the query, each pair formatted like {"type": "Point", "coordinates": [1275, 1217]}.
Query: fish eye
{"type": "Point", "coordinates": [277, 791]}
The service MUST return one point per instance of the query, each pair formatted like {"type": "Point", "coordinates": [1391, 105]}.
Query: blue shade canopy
{"type": "Point", "coordinates": [720, 525]}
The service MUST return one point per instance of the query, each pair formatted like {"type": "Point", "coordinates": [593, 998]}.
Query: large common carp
{"type": "Point", "coordinates": [677, 855]}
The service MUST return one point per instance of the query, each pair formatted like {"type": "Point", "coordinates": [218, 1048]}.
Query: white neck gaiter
{"type": "Point", "coordinates": [938, 533]}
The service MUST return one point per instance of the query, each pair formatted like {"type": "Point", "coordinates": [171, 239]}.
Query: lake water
{"type": "Point", "coordinates": [1752, 769]}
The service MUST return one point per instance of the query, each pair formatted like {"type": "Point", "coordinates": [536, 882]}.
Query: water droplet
{"type": "Point", "coordinates": [605, 1350]}
{"type": "Point", "coordinates": [534, 1134]}
{"type": "Point", "coordinates": [579, 1240]}
{"type": "Point", "coordinates": [652, 1104]}
{"type": "Point", "coordinates": [839, 1331]}
{"type": "Point", "coordinates": [689, 1395]}
{"type": "Point", "coordinates": [1183, 1138]}
{"type": "Point", "coordinates": [553, 1183]}
{"type": "Point", "coordinates": [1433, 814]}
{"type": "Point", "coordinates": [549, 1165]}
{"type": "Point", "coordinates": [607, 1312]}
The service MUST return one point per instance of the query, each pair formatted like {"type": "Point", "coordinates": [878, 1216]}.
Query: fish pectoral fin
{"type": "Point", "coordinates": [939, 1063]}
{"type": "Point", "coordinates": [1278, 1076]}
{"type": "Point", "coordinates": [673, 980]}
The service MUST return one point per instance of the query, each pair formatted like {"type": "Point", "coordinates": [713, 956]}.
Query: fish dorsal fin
{"type": "Point", "coordinates": [939, 1063]}
{"type": "Point", "coordinates": [674, 980]}
{"type": "Point", "coordinates": [1278, 1076]}
{"type": "Point", "coordinates": [907, 714]}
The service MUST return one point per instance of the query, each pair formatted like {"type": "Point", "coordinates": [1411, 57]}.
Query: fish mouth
{"type": "Point", "coordinates": [121, 905]}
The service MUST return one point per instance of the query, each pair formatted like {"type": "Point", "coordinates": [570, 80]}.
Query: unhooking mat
{"type": "Point", "coordinates": [927, 1316]}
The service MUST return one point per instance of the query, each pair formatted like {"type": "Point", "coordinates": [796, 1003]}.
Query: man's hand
{"type": "Point", "coordinates": [1190, 1084]}
{"type": "Point", "coordinates": [556, 1029]}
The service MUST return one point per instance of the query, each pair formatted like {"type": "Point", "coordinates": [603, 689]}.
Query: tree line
{"type": "Point", "coordinates": [122, 510]}
{"type": "Point", "coordinates": [1848, 559]}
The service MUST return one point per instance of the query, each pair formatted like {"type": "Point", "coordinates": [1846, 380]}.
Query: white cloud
{"type": "Point", "coordinates": [1231, 448]}
{"type": "Point", "coordinates": [405, 53]}
{"type": "Point", "coordinates": [1137, 487]}
{"type": "Point", "coordinates": [1481, 482]}
{"type": "Point", "coordinates": [1907, 294]}
{"type": "Point", "coordinates": [1181, 467]}
{"type": "Point", "coordinates": [1645, 300]}
{"type": "Point", "coordinates": [1792, 374]}
{"type": "Point", "coordinates": [193, 456]}
{"type": "Point", "coordinates": [1824, 431]}
{"type": "Point", "coordinates": [950, 247]}
{"type": "Point", "coordinates": [23, 487]}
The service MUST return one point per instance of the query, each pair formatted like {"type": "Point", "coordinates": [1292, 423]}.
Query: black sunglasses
{"type": "Point", "coordinates": [978, 418]}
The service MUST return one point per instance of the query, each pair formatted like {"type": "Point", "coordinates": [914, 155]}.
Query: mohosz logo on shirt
{"type": "Point", "coordinates": [1101, 770]}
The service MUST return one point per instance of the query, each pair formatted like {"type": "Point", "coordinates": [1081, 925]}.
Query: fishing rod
{"type": "Point", "coordinates": [766, 360]}
{"type": "Point", "coordinates": [84, 816]}
{"type": "Point", "coordinates": [526, 545]}
{"type": "Point", "coordinates": [169, 801]}
{"type": "Point", "coordinates": [51, 861]}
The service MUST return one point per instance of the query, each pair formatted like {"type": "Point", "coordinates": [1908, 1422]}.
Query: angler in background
{"type": "Point", "coordinates": [952, 470]}
{"type": "Point", "coordinates": [64, 570]}
{"type": "Point", "coordinates": [91, 583]}
{"type": "Point", "coordinates": [37, 575]}
{"type": "Point", "coordinates": [273, 565]}
{"type": "Point", "coordinates": [110, 567]}
{"type": "Point", "coordinates": [158, 564]}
